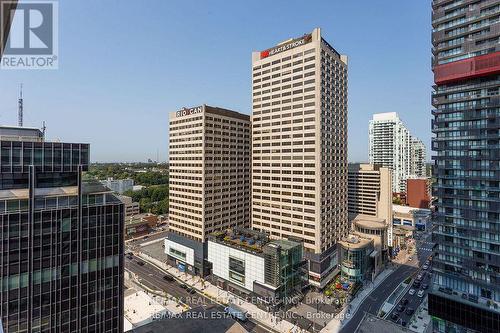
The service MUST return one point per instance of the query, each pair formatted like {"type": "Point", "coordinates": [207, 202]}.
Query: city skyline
{"type": "Point", "coordinates": [121, 81]}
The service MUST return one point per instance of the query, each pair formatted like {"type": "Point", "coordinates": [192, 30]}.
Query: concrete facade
{"type": "Point", "coordinates": [299, 169]}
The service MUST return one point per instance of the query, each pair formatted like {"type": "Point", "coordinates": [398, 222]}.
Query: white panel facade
{"type": "Point", "coordinates": [187, 250]}
{"type": "Point", "coordinates": [218, 255]}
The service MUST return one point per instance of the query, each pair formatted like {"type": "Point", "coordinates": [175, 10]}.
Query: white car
{"type": "Point", "coordinates": [412, 292]}
{"type": "Point", "coordinates": [425, 267]}
{"type": "Point", "coordinates": [420, 293]}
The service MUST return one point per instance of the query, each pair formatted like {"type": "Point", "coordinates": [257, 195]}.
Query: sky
{"type": "Point", "coordinates": [124, 65]}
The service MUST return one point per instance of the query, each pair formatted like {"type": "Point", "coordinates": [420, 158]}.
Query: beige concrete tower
{"type": "Point", "coordinates": [299, 129]}
{"type": "Point", "coordinates": [209, 169]}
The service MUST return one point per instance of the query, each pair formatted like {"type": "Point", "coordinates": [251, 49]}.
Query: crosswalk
{"type": "Point", "coordinates": [425, 246]}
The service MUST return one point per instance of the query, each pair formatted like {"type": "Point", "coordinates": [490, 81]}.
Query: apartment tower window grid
{"type": "Point", "coordinates": [466, 126]}
{"type": "Point", "coordinates": [299, 156]}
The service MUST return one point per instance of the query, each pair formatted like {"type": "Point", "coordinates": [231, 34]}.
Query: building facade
{"type": "Point", "coordinates": [369, 193]}
{"type": "Point", "coordinates": [118, 185]}
{"type": "Point", "coordinates": [466, 124]}
{"type": "Point", "coordinates": [209, 178]}
{"type": "Point", "coordinates": [61, 239]}
{"type": "Point", "coordinates": [418, 158]}
{"type": "Point", "coordinates": [418, 192]}
{"type": "Point", "coordinates": [249, 264]}
{"type": "Point", "coordinates": [299, 158]}
{"type": "Point", "coordinates": [391, 145]}
{"type": "Point", "coordinates": [131, 208]}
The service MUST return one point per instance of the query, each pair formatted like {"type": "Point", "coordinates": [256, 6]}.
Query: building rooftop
{"type": "Point", "coordinates": [355, 241]}
{"type": "Point", "coordinates": [370, 222]}
{"type": "Point", "coordinates": [409, 210]}
{"type": "Point", "coordinates": [16, 133]}
{"type": "Point", "coordinates": [250, 240]}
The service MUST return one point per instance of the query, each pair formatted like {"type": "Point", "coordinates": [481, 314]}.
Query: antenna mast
{"type": "Point", "coordinates": [20, 107]}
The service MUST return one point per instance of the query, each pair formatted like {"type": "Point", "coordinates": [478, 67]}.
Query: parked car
{"type": "Point", "coordinates": [395, 316]}
{"type": "Point", "coordinates": [416, 284]}
{"type": "Point", "coordinates": [424, 267]}
{"type": "Point", "coordinates": [412, 292]}
{"type": "Point", "coordinates": [420, 293]}
{"type": "Point", "coordinates": [400, 308]}
{"type": "Point", "coordinates": [168, 278]}
{"type": "Point", "coordinates": [191, 291]}
{"type": "Point", "coordinates": [140, 263]}
{"type": "Point", "coordinates": [183, 286]}
{"type": "Point", "coordinates": [404, 301]}
{"type": "Point", "coordinates": [409, 311]}
{"type": "Point", "coordinates": [425, 286]}
{"type": "Point", "coordinates": [403, 323]}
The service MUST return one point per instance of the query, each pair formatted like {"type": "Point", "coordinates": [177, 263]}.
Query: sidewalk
{"type": "Point", "coordinates": [349, 311]}
{"type": "Point", "coordinates": [223, 297]}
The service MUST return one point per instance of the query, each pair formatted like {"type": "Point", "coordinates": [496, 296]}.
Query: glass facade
{"type": "Point", "coordinates": [61, 242]}
{"type": "Point", "coordinates": [466, 146]}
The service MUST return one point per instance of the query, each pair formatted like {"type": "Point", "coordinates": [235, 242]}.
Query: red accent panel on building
{"type": "Point", "coordinates": [418, 193]}
{"type": "Point", "coordinates": [487, 64]}
{"type": "Point", "coordinates": [264, 54]}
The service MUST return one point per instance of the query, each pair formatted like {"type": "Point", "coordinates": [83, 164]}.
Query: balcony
{"type": "Point", "coordinates": [488, 64]}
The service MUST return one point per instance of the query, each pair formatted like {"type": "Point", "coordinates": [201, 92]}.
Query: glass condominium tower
{"type": "Point", "coordinates": [61, 239]}
{"type": "Point", "coordinates": [299, 157]}
{"type": "Point", "coordinates": [466, 119]}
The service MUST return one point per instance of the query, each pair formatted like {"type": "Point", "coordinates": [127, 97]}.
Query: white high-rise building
{"type": "Point", "coordinates": [392, 146]}
{"type": "Point", "coordinates": [418, 155]}
{"type": "Point", "coordinates": [299, 169]}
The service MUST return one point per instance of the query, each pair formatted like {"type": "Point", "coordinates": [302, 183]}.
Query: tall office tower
{"type": "Point", "coordinates": [466, 125]}
{"type": "Point", "coordinates": [61, 248]}
{"type": "Point", "coordinates": [418, 158]}
{"type": "Point", "coordinates": [369, 192]}
{"type": "Point", "coordinates": [209, 181]}
{"type": "Point", "coordinates": [391, 146]}
{"type": "Point", "coordinates": [299, 170]}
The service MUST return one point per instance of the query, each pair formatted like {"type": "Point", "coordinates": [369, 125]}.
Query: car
{"type": "Point", "coordinates": [427, 262]}
{"type": "Point", "coordinates": [183, 286]}
{"type": "Point", "coordinates": [191, 291]}
{"type": "Point", "coordinates": [410, 259]}
{"type": "Point", "coordinates": [420, 276]}
{"type": "Point", "coordinates": [425, 267]}
{"type": "Point", "coordinates": [168, 278]}
{"type": "Point", "coordinates": [404, 301]}
{"type": "Point", "coordinates": [130, 257]}
{"type": "Point", "coordinates": [403, 323]}
{"type": "Point", "coordinates": [420, 293]}
{"type": "Point", "coordinates": [395, 316]}
{"type": "Point", "coordinates": [400, 308]}
{"type": "Point", "coordinates": [409, 311]}
{"type": "Point", "coordinates": [425, 286]}
{"type": "Point", "coordinates": [145, 237]}
{"type": "Point", "coordinates": [140, 263]}
{"type": "Point", "coordinates": [416, 284]}
{"type": "Point", "coordinates": [412, 292]}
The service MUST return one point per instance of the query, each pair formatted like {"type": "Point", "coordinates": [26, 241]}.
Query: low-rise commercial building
{"type": "Point", "coordinates": [131, 208]}
{"type": "Point", "coordinates": [365, 251]}
{"type": "Point", "coordinates": [247, 263]}
{"type": "Point", "coordinates": [410, 216]}
{"type": "Point", "coordinates": [356, 258]}
{"type": "Point", "coordinates": [141, 224]}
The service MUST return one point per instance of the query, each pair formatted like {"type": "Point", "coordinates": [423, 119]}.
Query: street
{"type": "Point", "coordinates": [374, 301]}
{"type": "Point", "coordinates": [152, 277]}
